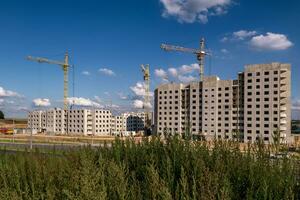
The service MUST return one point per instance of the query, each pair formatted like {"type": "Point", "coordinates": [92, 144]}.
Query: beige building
{"type": "Point", "coordinates": [86, 122]}
{"type": "Point", "coordinates": [267, 101]}
{"type": "Point", "coordinates": [75, 121]}
{"type": "Point", "coordinates": [251, 107]}
{"type": "Point", "coordinates": [129, 123]}
{"type": "Point", "coordinates": [101, 122]}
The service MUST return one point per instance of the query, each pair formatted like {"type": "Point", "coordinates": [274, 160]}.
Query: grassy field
{"type": "Point", "coordinates": [173, 169]}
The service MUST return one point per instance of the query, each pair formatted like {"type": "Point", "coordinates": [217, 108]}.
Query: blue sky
{"type": "Point", "coordinates": [108, 40]}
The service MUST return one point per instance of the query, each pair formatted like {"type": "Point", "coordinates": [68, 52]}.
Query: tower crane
{"type": "Point", "coordinates": [200, 53]}
{"type": "Point", "coordinates": [146, 105]}
{"type": "Point", "coordinates": [65, 67]}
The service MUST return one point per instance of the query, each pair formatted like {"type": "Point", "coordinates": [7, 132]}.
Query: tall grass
{"type": "Point", "coordinates": [150, 170]}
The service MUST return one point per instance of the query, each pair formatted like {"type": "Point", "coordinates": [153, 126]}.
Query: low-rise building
{"type": "Point", "coordinates": [86, 122]}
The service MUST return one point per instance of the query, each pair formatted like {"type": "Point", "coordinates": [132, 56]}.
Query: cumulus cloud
{"type": "Point", "coordinates": [97, 99]}
{"type": "Point", "coordinates": [139, 92]}
{"type": "Point", "coordinates": [122, 96]}
{"type": "Point", "coordinates": [186, 69]}
{"type": "Point", "coordinates": [41, 102]}
{"type": "Point", "coordinates": [1, 101]}
{"type": "Point", "coordinates": [139, 89]}
{"type": "Point", "coordinates": [86, 73]}
{"type": "Point", "coordinates": [271, 41]}
{"type": "Point", "coordinates": [190, 11]}
{"type": "Point", "coordinates": [80, 101]}
{"type": "Point", "coordinates": [8, 93]}
{"type": "Point", "coordinates": [107, 71]}
{"type": "Point", "coordinates": [183, 73]}
{"type": "Point", "coordinates": [138, 104]}
{"type": "Point", "coordinates": [173, 72]}
{"type": "Point", "coordinates": [186, 79]}
{"type": "Point", "coordinates": [243, 34]}
{"type": "Point", "coordinates": [160, 73]}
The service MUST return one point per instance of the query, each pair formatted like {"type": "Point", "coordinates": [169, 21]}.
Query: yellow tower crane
{"type": "Point", "coordinates": [65, 67]}
{"type": "Point", "coordinates": [147, 104]}
{"type": "Point", "coordinates": [200, 53]}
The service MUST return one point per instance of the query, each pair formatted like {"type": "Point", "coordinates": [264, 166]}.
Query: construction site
{"type": "Point", "coordinates": [208, 109]}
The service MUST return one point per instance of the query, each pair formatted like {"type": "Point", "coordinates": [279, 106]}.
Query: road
{"type": "Point", "coordinates": [47, 146]}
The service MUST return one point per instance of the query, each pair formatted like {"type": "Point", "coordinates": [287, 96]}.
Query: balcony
{"type": "Point", "coordinates": [283, 71]}
{"type": "Point", "coordinates": [283, 108]}
{"type": "Point", "coordinates": [283, 128]}
{"type": "Point", "coordinates": [283, 121]}
{"type": "Point", "coordinates": [283, 81]}
{"type": "Point", "coordinates": [283, 115]}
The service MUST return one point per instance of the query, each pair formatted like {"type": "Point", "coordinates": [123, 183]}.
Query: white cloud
{"type": "Point", "coordinates": [1, 101]}
{"type": "Point", "coordinates": [224, 39]}
{"type": "Point", "coordinates": [8, 93]}
{"type": "Point", "coordinates": [181, 74]}
{"type": "Point", "coordinates": [271, 41]}
{"type": "Point", "coordinates": [86, 73]}
{"type": "Point", "coordinates": [173, 72]}
{"type": "Point", "coordinates": [41, 102]}
{"type": "Point", "coordinates": [189, 11]}
{"type": "Point", "coordinates": [138, 104]}
{"type": "Point", "coordinates": [97, 99]}
{"type": "Point", "coordinates": [79, 101]}
{"type": "Point", "coordinates": [107, 71]}
{"type": "Point", "coordinates": [138, 89]}
{"type": "Point", "coordinates": [225, 51]}
{"type": "Point", "coordinates": [122, 96]}
{"type": "Point", "coordinates": [186, 69]}
{"type": "Point", "coordinates": [243, 34]}
{"type": "Point", "coordinates": [160, 73]}
{"type": "Point", "coordinates": [187, 79]}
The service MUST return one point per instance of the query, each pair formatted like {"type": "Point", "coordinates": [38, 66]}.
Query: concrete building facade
{"type": "Point", "coordinates": [74, 121]}
{"type": "Point", "coordinates": [253, 106]}
{"type": "Point", "coordinates": [86, 122]}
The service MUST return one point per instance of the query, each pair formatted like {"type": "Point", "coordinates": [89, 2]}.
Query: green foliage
{"type": "Point", "coordinates": [1, 115]}
{"type": "Point", "coordinates": [175, 169]}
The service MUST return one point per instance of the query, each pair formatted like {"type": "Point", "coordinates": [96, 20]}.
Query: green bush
{"type": "Point", "coordinates": [174, 169]}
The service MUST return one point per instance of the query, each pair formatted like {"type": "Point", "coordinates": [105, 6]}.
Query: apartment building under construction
{"type": "Point", "coordinates": [86, 122]}
{"type": "Point", "coordinates": [256, 105]}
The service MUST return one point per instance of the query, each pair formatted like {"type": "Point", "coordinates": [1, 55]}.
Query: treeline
{"type": "Point", "coordinates": [152, 169]}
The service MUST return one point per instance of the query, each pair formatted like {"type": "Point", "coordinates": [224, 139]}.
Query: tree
{"type": "Point", "coordinates": [1, 115]}
{"type": "Point", "coordinates": [276, 139]}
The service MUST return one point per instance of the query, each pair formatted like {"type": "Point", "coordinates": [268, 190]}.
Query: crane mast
{"type": "Point", "coordinates": [200, 53]}
{"type": "Point", "coordinates": [65, 67]}
{"type": "Point", "coordinates": [146, 105]}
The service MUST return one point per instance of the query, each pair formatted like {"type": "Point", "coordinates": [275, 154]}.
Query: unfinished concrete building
{"type": "Point", "coordinates": [251, 107]}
